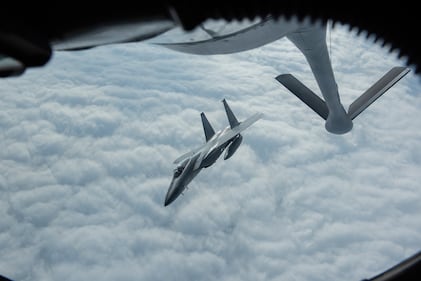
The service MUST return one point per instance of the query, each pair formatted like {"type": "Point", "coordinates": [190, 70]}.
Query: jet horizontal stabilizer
{"type": "Point", "coordinates": [304, 94]}
{"type": "Point", "coordinates": [377, 90]}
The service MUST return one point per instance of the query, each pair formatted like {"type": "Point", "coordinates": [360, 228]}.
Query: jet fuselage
{"type": "Point", "coordinates": [190, 168]}
{"type": "Point", "coordinates": [191, 163]}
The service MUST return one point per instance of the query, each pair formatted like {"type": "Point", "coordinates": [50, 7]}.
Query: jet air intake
{"type": "Point", "coordinates": [211, 158]}
{"type": "Point", "coordinates": [232, 148]}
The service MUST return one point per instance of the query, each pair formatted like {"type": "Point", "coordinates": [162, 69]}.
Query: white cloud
{"type": "Point", "coordinates": [88, 143]}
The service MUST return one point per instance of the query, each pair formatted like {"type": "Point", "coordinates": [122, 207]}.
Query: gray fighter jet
{"type": "Point", "coordinates": [191, 163]}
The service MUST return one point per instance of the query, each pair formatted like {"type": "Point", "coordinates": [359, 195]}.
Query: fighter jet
{"type": "Point", "coordinates": [191, 163]}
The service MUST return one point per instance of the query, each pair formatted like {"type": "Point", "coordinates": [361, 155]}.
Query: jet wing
{"type": "Point", "coordinates": [256, 35]}
{"type": "Point", "coordinates": [223, 138]}
{"type": "Point", "coordinates": [188, 154]}
{"type": "Point", "coordinates": [238, 129]}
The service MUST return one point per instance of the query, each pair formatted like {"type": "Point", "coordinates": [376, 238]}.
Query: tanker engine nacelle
{"type": "Point", "coordinates": [232, 148]}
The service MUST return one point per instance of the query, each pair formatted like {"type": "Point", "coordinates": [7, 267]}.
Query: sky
{"type": "Point", "coordinates": [89, 139]}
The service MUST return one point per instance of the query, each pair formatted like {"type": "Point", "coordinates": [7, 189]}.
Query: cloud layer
{"type": "Point", "coordinates": [88, 143]}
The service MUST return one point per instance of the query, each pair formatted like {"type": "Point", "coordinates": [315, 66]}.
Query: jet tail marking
{"type": "Point", "coordinates": [377, 90]}
{"type": "Point", "coordinates": [231, 117]}
{"type": "Point", "coordinates": [207, 128]}
{"type": "Point", "coordinates": [304, 94]}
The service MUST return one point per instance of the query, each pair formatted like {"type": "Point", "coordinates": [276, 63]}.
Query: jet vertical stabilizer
{"type": "Point", "coordinates": [207, 128]}
{"type": "Point", "coordinates": [231, 117]}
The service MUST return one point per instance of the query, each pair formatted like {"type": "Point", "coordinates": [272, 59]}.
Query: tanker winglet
{"type": "Point", "coordinates": [377, 90]}
{"type": "Point", "coordinates": [304, 94]}
{"type": "Point", "coordinates": [359, 105]}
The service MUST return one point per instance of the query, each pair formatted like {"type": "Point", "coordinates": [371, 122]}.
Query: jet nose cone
{"type": "Point", "coordinates": [177, 186]}
{"type": "Point", "coordinates": [171, 195]}
{"type": "Point", "coordinates": [167, 200]}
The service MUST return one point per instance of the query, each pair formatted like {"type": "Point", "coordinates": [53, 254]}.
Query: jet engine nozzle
{"type": "Point", "coordinates": [232, 148]}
